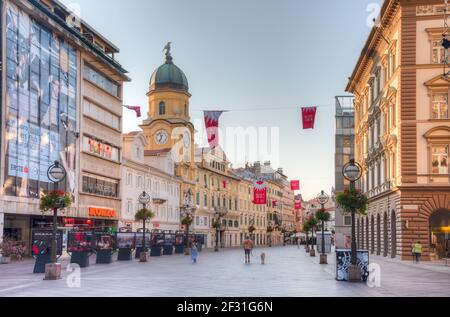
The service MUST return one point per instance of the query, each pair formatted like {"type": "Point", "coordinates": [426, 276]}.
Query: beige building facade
{"type": "Point", "coordinates": [402, 132]}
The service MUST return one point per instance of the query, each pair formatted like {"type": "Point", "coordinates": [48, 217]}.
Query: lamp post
{"type": "Point", "coordinates": [187, 211]}
{"type": "Point", "coordinates": [323, 198]}
{"type": "Point", "coordinates": [144, 199]}
{"type": "Point", "coordinates": [56, 174]}
{"type": "Point", "coordinates": [352, 172]}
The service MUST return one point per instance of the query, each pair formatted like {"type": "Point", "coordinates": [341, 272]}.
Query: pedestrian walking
{"type": "Point", "coordinates": [194, 252]}
{"type": "Point", "coordinates": [417, 251]}
{"type": "Point", "coordinates": [248, 247]}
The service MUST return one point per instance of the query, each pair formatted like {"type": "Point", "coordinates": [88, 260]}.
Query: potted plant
{"type": "Point", "coordinates": [323, 216]}
{"type": "Point", "coordinates": [6, 248]}
{"type": "Point", "coordinates": [144, 215]}
{"type": "Point", "coordinates": [352, 200]}
{"type": "Point", "coordinates": [55, 199]}
{"type": "Point", "coordinates": [11, 249]}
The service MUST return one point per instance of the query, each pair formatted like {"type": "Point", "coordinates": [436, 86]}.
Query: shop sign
{"type": "Point", "coordinates": [102, 212]}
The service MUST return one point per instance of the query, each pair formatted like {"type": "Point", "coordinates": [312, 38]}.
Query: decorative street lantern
{"type": "Point", "coordinates": [323, 216]}
{"type": "Point", "coordinates": [352, 172]}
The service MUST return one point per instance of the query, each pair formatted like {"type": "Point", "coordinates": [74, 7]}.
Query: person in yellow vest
{"type": "Point", "coordinates": [417, 251]}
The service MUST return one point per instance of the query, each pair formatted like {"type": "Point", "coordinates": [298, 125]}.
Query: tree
{"type": "Point", "coordinates": [144, 215]}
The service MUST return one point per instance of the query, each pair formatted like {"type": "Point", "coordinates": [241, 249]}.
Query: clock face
{"type": "Point", "coordinates": [186, 139]}
{"type": "Point", "coordinates": [161, 137]}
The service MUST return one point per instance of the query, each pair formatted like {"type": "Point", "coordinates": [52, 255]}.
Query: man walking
{"type": "Point", "coordinates": [417, 251]}
{"type": "Point", "coordinates": [248, 246]}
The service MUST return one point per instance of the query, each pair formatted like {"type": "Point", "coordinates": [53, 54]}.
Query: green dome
{"type": "Point", "coordinates": [169, 76]}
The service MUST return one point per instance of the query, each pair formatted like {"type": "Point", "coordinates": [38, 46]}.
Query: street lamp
{"type": "Point", "coordinates": [323, 198]}
{"type": "Point", "coordinates": [144, 199]}
{"type": "Point", "coordinates": [352, 172]}
{"type": "Point", "coordinates": [187, 211]}
{"type": "Point", "coordinates": [56, 174]}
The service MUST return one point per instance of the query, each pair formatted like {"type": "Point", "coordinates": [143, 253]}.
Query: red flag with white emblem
{"type": "Point", "coordinates": [212, 127]}
{"type": "Point", "coordinates": [309, 117]}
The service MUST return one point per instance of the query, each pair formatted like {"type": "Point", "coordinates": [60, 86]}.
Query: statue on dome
{"type": "Point", "coordinates": [167, 48]}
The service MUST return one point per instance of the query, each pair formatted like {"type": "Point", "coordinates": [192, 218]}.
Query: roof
{"type": "Point", "coordinates": [170, 76]}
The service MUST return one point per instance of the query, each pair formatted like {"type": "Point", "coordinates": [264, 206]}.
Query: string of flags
{"type": "Point", "coordinates": [212, 119]}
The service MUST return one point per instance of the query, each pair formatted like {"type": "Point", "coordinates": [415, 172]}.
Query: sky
{"type": "Point", "coordinates": [261, 59]}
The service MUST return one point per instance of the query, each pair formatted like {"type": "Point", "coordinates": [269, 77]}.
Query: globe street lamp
{"type": "Point", "coordinates": [144, 199]}
{"type": "Point", "coordinates": [56, 174]}
{"type": "Point", "coordinates": [352, 172]}
{"type": "Point", "coordinates": [323, 198]}
{"type": "Point", "coordinates": [187, 211]}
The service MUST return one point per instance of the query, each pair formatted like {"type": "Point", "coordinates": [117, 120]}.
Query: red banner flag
{"type": "Point", "coordinates": [309, 117]}
{"type": "Point", "coordinates": [212, 127]}
{"type": "Point", "coordinates": [225, 184]}
{"type": "Point", "coordinates": [298, 204]}
{"type": "Point", "coordinates": [136, 109]}
{"type": "Point", "coordinates": [260, 193]}
{"type": "Point", "coordinates": [275, 203]}
{"type": "Point", "coordinates": [295, 185]}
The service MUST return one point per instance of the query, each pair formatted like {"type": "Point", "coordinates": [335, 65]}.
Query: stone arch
{"type": "Point", "coordinates": [385, 235]}
{"type": "Point", "coordinates": [393, 234]}
{"type": "Point", "coordinates": [439, 227]}
{"type": "Point", "coordinates": [361, 245]}
{"type": "Point", "coordinates": [367, 233]}
{"type": "Point", "coordinates": [378, 234]}
{"type": "Point", "coordinates": [372, 235]}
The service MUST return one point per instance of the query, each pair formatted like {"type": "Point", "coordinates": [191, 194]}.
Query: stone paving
{"type": "Point", "coordinates": [289, 272]}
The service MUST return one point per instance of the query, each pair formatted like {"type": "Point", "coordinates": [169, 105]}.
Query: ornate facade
{"type": "Point", "coordinates": [401, 132]}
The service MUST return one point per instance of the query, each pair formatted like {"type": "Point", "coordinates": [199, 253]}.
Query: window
{"type": "Point", "coordinates": [198, 199]}
{"type": "Point", "coordinates": [97, 113]}
{"type": "Point", "coordinates": [100, 186]}
{"type": "Point", "coordinates": [439, 160]}
{"type": "Point", "coordinates": [205, 200]}
{"type": "Point", "coordinates": [347, 221]}
{"type": "Point", "coordinates": [438, 53]}
{"type": "Point", "coordinates": [439, 108]}
{"type": "Point", "coordinates": [100, 80]}
{"type": "Point", "coordinates": [162, 108]}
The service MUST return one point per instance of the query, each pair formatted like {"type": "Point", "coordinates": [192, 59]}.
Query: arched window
{"type": "Point", "coordinates": [186, 110]}
{"type": "Point", "coordinates": [162, 108]}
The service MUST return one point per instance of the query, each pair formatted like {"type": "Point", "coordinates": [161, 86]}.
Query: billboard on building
{"type": "Point", "coordinates": [41, 102]}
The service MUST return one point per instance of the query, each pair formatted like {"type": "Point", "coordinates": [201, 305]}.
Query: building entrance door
{"type": "Point", "coordinates": [440, 234]}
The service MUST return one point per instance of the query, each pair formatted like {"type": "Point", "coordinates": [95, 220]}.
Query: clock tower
{"type": "Point", "coordinates": [168, 125]}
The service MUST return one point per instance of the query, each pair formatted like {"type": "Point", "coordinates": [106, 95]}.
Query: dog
{"type": "Point", "coordinates": [263, 258]}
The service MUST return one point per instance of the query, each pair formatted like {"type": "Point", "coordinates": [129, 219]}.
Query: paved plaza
{"type": "Point", "coordinates": [289, 272]}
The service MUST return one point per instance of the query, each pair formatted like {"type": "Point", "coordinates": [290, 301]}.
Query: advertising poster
{"type": "Point", "coordinates": [105, 241]}
{"type": "Point", "coordinates": [126, 240]}
{"type": "Point", "coordinates": [157, 238]}
{"type": "Point", "coordinates": [169, 239]}
{"type": "Point", "coordinates": [139, 239]}
{"type": "Point", "coordinates": [41, 105]}
{"type": "Point", "coordinates": [42, 242]}
{"type": "Point", "coordinates": [179, 239]}
{"type": "Point", "coordinates": [80, 242]}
